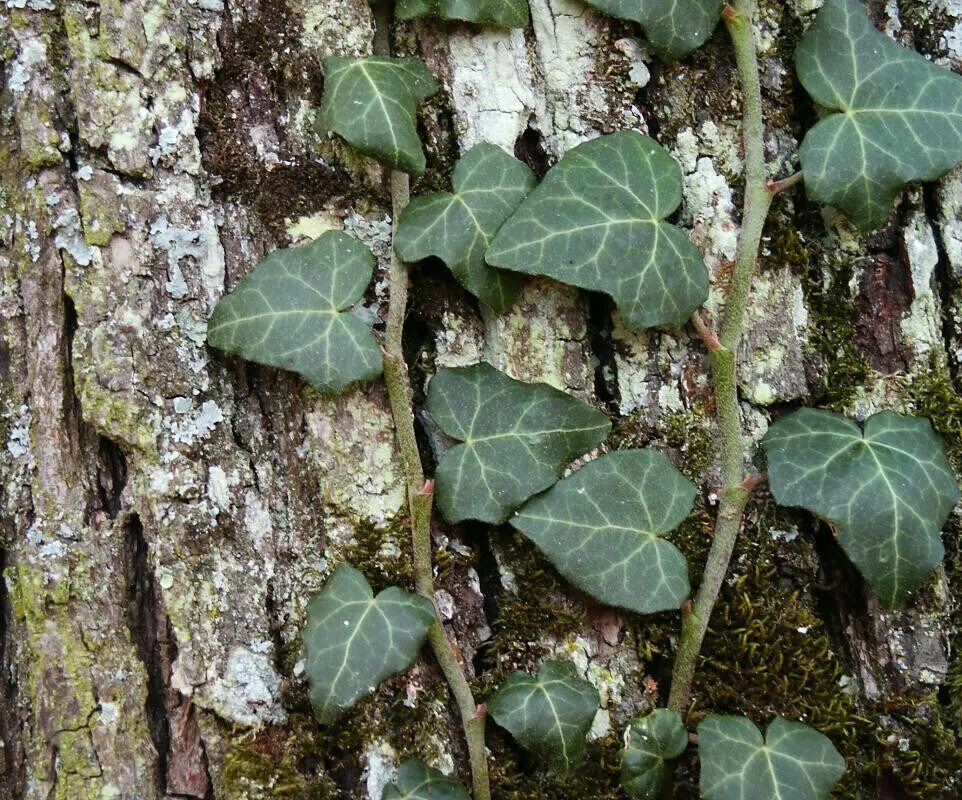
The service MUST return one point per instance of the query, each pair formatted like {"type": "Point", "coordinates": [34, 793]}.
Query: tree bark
{"type": "Point", "coordinates": [167, 511]}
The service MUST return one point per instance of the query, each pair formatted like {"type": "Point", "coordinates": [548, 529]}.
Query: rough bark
{"type": "Point", "coordinates": [167, 511]}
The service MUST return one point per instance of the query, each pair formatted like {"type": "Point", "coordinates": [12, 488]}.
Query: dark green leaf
{"type": "Point", "coordinates": [372, 102]}
{"type": "Point", "coordinates": [287, 313]}
{"type": "Point", "coordinates": [549, 714]}
{"type": "Point", "coordinates": [597, 221]}
{"type": "Point", "coordinates": [674, 27]}
{"type": "Point", "coordinates": [516, 438]}
{"type": "Point", "coordinates": [794, 762]}
{"type": "Point", "coordinates": [488, 186]}
{"type": "Point", "coordinates": [899, 120]}
{"type": "Point", "coordinates": [355, 640]}
{"type": "Point", "coordinates": [418, 782]}
{"type": "Point", "coordinates": [888, 490]}
{"type": "Point", "coordinates": [508, 13]}
{"type": "Point", "coordinates": [602, 527]}
{"type": "Point", "coordinates": [651, 740]}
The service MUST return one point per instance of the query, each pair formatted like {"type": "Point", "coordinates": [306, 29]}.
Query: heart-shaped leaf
{"type": "Point", "coordinates": [597, 221]}
{"type": "Point", "coordinates": [516, 438]}
{"type": "Point", "coordinates": [355, 640]}
{"type": "Point", "coordinates": [507, 13]}
{"type": "Point", "coordinates": [415, 781]}
{"type": "Point", "coordinates": [899, 120]}
{"type": "Point", "coordinates": [549, 714]}
{"type": "Point", "coordinates": [287, 313]}
{"type": "Point", "coordinates": [674, 27]}
{"type": "Point", "coordinates": [650, 741]}
{"type": "Point", "coordinates": [372, 102]}
{"type": "Point", "coordinates": [794, 762]}
{"type": "Point", "coordinates": [488, 186]}
{"type": "Point", "coordinates": [888, 491]}
{"type": "Point", "coordinates": [602, 526]}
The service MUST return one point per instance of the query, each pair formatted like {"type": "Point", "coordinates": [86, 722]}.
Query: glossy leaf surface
{"type": "Point", "coordinates": [515, 439]}
{"type": "Point", "coordinates": [899, 117]}
{"type": "Point", "coordinates": [506, 13]}
{"type": "Point", "coordinates": [597, 221]}
{"type": "Point", "coordinates": [355, 640]}
{"type": "Point", "coordinates": [673, 27]}
{"type": "Point", "coordinates": [457, 227]}
{"type": "Point", "coordinates": [887, 490]}
{"type": "Point", "coordinates": [602, 527]}
{"type": "Point", "coordinates": [650, 741]}
{"type": "Point", "coordinates": [289, 312]}
{"type": "Point", "coordinates": [419, 782]}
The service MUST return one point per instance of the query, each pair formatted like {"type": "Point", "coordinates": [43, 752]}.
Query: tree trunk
{"type": "Point", "coordinates": [167, 511]}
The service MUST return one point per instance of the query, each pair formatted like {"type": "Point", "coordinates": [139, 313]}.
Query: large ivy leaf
{"type": "Point", "coordinates": [415, 781]}
{"type": "Point", "coordinates": [549, 714]}
{"type": "Point", "coordinates": [674, 27]}
{"type": "Point", "coordinates": [508, 13]}
{"type": "Point", "coordinates": [899, 120]}
{"type": "Point", "coordinates": [602, 526]}
{"type": "Point", "coordinates": [650, 741]}
{"type": "Point", "coordinates": [287, 313]}
{"type": "Point", "coordinates": [488, 186]}
{"type": "Point", "coordinates": [597, 221]}
{"type": "Point", "coordinates": [515, 439]}
{"type": "Point", "coordinates": [355, 640]}
{"type": "Point", "coordinates": [372, 102]}
{"type": "Point", "coordinates": [888, 490]}
{"type": "Point", "coordinates": [794, 762]}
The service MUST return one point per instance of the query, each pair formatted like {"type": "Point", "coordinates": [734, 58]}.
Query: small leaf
{"type": "Point", "coordinates": [372, 102]}
{"type": "Point", "coordinates": [507, 13]}
{"type": "Point", "coordinates": [488, 186]}
{"type": "Point", "coordinates": [597, 221]}
{"type": "Point", "coordinates": [419, 782]}
{"type": "Point", "coordinates": [549, 714]}
{"type": "Point", "coordinates": [287, 313]}
{"type": "Point", "coordinates": [900, 116]}
{"type": "Point", "coordinates": [651, 740]}
{"type": "Point", "coordinates": [795, 762]}
{"type": "Point", "coordinates": [674, 27]}
{"type": "Point", "coordinates": [516, 438]}
{"type": "Point", "coordinates": [601, 528]}
{"type": "Point", "coordinates": [355, 640]}
{"type": "Point", "coordinates": [888, 490]}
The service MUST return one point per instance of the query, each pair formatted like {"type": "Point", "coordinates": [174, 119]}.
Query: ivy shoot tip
{"type": "Point", "coordinates": [427, 488]}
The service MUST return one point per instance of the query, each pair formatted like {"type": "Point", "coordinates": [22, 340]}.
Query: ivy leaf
{"type": "Point", "coordinates": [507, 13]}
{"type": "Point", "coordinates": [597, 221]}
{"type": "Point", "coordinates": [372, 102]}
{"type": "Point", "coordinates": [674, 27]}
{"type": "Point", "coordinates": [888, 491]}
{"type": "Point", "coordinates": [601, 528]}
{"type": "Point", "coordinates": [794, 762]}
{"type": "Point", "coordinates": [355, 640]}
{"type": "Point", "coordinates": [899, 120]}
{"type": "Point", "coordinates": [549, 714]}
{"type": "Point", "coordinates": [488, 186]}
{"type": "Point", "coordinates": [419, 782]}
{"type": "Point", "coordinates": [516, 438]}
{"type": "Point", "coordinates": [287, 313]}
{"type": "Point", "coordinates": [651, 740]}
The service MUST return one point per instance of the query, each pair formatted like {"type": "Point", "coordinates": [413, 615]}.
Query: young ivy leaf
{"type": "Point", "coordinates": [899, 120]}
{"type": "Point", "coordinates": [372, 102]}
{"type": "Point", "coordinates": [515, 440]}
{"type": "Point", "coordinates": [597, 221]}
{"type": "Point", "coordinates": [507, 13]}
{"type": "Point", "coordinates": [601, 527]}
{"type": "Point", "coordinates": [355, 640]}
{"type": "Point", "coordinates": [650, 741]}
{"type": "Point", "coordinates": [415, 781]}
{"type": "Point", "coordinates": [794, 762]}
{"type": "Point", "coordinates": [888, 490]}
{"type": "Point", "coordinates": [674, 27]}
{"type": "Point", "coordinates": [287, 313]}
{"type": "Point", "coordinates": [488, 186]}
{"type": "Point", "coordinates": [549, 714]}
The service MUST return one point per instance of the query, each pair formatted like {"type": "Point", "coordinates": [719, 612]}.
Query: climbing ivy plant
{"type": "Point", "coordinates": [599, 220]}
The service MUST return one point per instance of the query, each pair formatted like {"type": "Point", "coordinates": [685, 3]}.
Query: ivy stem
{"type": "Point", "coordinates": [739, 17]}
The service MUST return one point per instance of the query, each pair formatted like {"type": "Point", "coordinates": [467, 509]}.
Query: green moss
{"type": "Point", "coordinates": [934, 394]}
